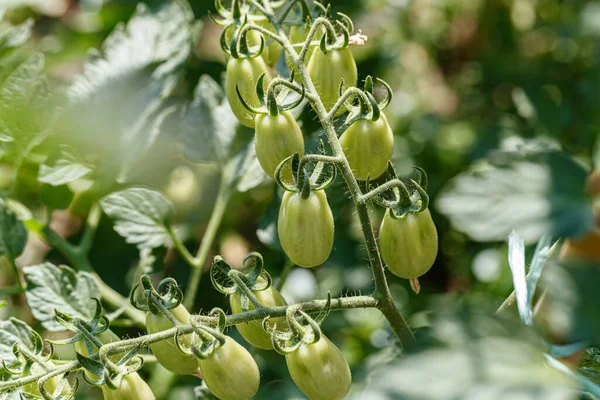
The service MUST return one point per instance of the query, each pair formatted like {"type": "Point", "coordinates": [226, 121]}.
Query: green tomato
{"type": "Point", "coordinates": [327, 70]}
{"type": "Point", "coordinates": [408, 245]}
{"type": "Point", "coordinates": [368, 145]}
{"type": "Point", "coordinates": [253, 331]}
{"type": "Point", "coordinates": [132, 387]}
{"type": "Point", "coordinates": [320, 370]}
{"type": "Point", "coordinates": [51, 385]}
{"type": "Point", "coordinates": [305, 228]}
{"type": "Point", "coordinates": [244, 72]}
{"type": "Point", "coordinates": [277, 138]}
{"type": "Point", "coordinates": [273, 50]}
{"type": "Point", "coordinates": [166, 351]}
{"type": "Point", "coordinates": [230, 372]}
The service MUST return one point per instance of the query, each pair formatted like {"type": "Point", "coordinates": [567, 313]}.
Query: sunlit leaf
{"type": "Point", "coordinates": [141, 215]}
{"type": "Point", "coordinates": [66, 168]}
{"type": "Point", "coordinates": [50, 287]}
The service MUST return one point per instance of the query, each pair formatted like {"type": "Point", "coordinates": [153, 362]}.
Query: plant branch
{"type": "Point", "coordinates": [207, 241]}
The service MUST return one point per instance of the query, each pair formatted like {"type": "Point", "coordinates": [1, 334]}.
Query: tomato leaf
{"type": "Point", "coordinates": [50, 287]}
{"type": "Point", "coordinates": [141, 215]}
{"type": "Point", "coordinates": [15, 36]}
{"type": "Point", "coordinates": [535, 193]}
{"type": "Point", "coordinates": [113, 103]}
{"type": "Point", "coordinates": [66, 168]}
{"type": "Point", "coordinates": [13, 234]}
{"type": "Point", "coordinates": [22, 94]}
{"type": "Point", "coordinates": [207, 125]}
{"type": "Point", "coordinates": [12, 331]}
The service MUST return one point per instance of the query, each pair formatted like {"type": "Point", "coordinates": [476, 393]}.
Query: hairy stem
{"type": "Point", "coordinates": [206, 244]}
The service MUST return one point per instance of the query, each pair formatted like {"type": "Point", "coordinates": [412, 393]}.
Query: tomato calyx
{"type": "Point", "coordinates": [252, 277]}
{"type": "Point", "coordinates": [303, 329]}
{"type": "Point", "coordinates": [272, 100]}
{"type": "Point", "coordinates": [312, 172]}
{"type": "Point", "coordinates": [205, 338]}
{"type": "Point", "coordinates": [167, 295]}
{"type": "Point", "coordinates": [240, 47]}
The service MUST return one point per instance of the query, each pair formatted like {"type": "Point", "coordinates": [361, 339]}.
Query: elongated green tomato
{"type": "Point", "coordinates": [244, 72]}
{"type": "Point", "coordinates": [327, 70]}
{"type": "Point", "coordinates": [277, 138]}
{"type": "Point", "coordinates": [166, 351]}
{"type": "Point", "coordinates": [368, 145]}
{"type": "Point", "coordinates": [51, 385]}
{"type": "Point", "coordinates": [273, 50]}
{"type": "Point", "coordinates": [409, 244]}
{"type": "Point", "coordinates": [305, 228]}
{"type": "Point", "coordinates": [132, 387]}
{"type": "Point", "coordinates": [320, 370]}
{"type": "Point", "coordinates": [230, 372]}
{"type": "Point", "coordinates": [253, 332]}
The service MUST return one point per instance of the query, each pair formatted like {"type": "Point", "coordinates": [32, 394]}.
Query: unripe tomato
{"type": "Point", "coordinates": [277, 138]}
{"type": "Point", "coordinates": [368, 145]}
{"type": "Point", "coordinates": [409, 244]}
{"type": "Point", "coordinates": [166, 351]}
{"type": "Point", "coordinates": [132, 387]}
{"type": "Point", "coordinates": [327, 70]}
{"type": "Point", "coordinates": [230, 372]}
{"type": "Point", "coordinates": [272, 52]}
{"type": "Point", "coordinates": [253, 331]}
{"type": "Point", "coordinates": [244, 72]}
{"type": "Point", "coordinates": [51, 385]}
{"type": "Point", "coordinates": [320, 370]}
{"type": "Point", "coordinates": [305, 228]}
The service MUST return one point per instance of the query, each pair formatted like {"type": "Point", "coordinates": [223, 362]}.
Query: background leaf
{"type": "Point", "coordinates": [526, 193]}
{"type": "Point", "coordinates": [66, 168]}
{"type": "Point", "coordinates": [13, 234]}
{"type": "Point", "coordinates": [50, 287]}
{"type": "Point", "coordinates": [11, 332]}
{"type": "Point", "coordinates": [141, 215]}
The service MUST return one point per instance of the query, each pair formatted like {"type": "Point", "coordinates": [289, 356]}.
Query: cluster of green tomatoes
{"type": "Point", "coordinates": [408, 237]}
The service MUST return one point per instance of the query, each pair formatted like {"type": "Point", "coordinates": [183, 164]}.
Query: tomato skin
{"type": "Point", "coordinates": [230, 372]}
{"type": "Point", "coordinates": [132, 387]}
{"type": "Point", "coordinates": [273, 50]}
{"type": "Point", "coordinates": [166, 351]}
{"type": "Point", "coordinates": [253, 331]}
{"type": "Point", "coordinates": [327, 70]}
{"type": "Point", "coordinates": [368, 145]}
{"type": "Point", "coordinates": [408, 245]}
{"type": "Point", "coordinates": [320, 370]}
{"type": "Point", "coordinates": [277, 138]}
{"type": "Point", "coordinates": [305, 228]}
{"type": "Point", "coordinates": [244, 72]}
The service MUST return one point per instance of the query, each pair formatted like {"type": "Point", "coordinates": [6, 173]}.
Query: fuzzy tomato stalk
{"type": "Point", "coordinates": [277, 137]}
{"type": "Point", "coordinates": [253, 331]}
{"type": "Point", "coordinates": [273, 50]}
{"type": "Point", "coordinates": [166, 351]}
{"type": "Point", "coordinates": [230, 372]}
{"type": "Point", "coordinates": [327, 70]}
{"type": "Point", "coordinates": [320, 370]}
{"type": "Point", "coordinates": [297, 36]}
{"type": "Point", "coordinates": [368, 145]}
{"type": "Point", "coordinates": [243, 73]}
{"type": "Point", "coordinates": [408, 244]}
{"type": "Point", "coordinates": [305, 228]}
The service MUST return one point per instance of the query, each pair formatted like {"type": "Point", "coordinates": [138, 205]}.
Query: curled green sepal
{"type": "Point", "coordinates": [307, 174]}
{"type": "Point", "coordinates": [405, 198]}
{"type": "Point", "coordinates": [57, 392]}
{"type": "Point", "coordinates": [253, 268]}
{"type": "Point", "coordinates": [24, 363]}
{"type": "Point", "coordinates": [114, 373]}
{"type": "Point", "coordinates": [98, 324]}
{"type": "Point", "coordinates": [302, 329]}
{"type": "Point", "coordinates": [167, 295]}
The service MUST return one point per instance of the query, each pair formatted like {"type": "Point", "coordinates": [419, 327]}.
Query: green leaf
{"type": "Point", "coordinates": [141, 215]}
{"type": "Point", "coordinates": [247, 172]}
{"type": "Point", "coordinates": [15, 36]}
{"type": "Point", "coordinates": [207, 125]}
{"type": "Point", "coordinates": [124, 85]}
{"type": "Point", "coordinates": [13, 331]}
{"type": "Point", "coordinates": [56, 197]}
{"type": "Point", "coordinates": [539, 192]}
{"type": "Point", "coordinates": [50, 287]}
{"type": "Point", "coordinates": [22, 94]}
{"type": "Point", "coordinates": [267, 226]}
{"type": "Point", "coordinates": [65, 168]}
{"type": "Point", "coordinates": [13, 234]}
